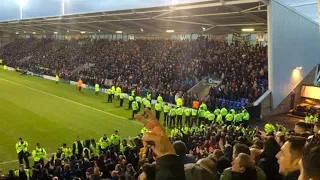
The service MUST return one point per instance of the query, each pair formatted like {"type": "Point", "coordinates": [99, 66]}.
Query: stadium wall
{"type": "Point", "coordinates": [293, 41]}
{"type": "Point", "coordinates": [285, 106]}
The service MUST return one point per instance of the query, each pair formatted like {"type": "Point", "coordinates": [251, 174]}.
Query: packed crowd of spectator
{"type": "Point", "coordinates": [161, 66]}
{"type": "Point", "coordinates": [215, 152]}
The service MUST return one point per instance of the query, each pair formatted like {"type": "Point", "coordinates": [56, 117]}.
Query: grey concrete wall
{"type": "Point", "coordinates": [294, 41]}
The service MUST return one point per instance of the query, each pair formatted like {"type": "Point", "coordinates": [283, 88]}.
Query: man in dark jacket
{"type": "Point", "coordinates": [289, 157]}
{"type": "Point", "coordinates": [181, 150]}
{"type": "Point", "coordinates": [268, 159]}
{"type": "Point", "coordinates": [243, 167]}
{"type": "Point", "coordinates": [168, 164]}
{"type": "Point", "coordinates": [11, 176]}
{"type": "Point", "coordinates": [309, 163]}
{"type": "Point", "coordinates": [237, 149]}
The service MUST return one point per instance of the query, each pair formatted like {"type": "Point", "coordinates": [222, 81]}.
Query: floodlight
{"type": "Point", "coordinates": [170, 31]}
{"type": "Point", "coordinates": [22, 3]}
{"type": "Point", "coordinates": [82, 32]}
{"type": "Point", "coordinates": [247, 30]}
{"type": "Point", "coordinates": [119, 32]}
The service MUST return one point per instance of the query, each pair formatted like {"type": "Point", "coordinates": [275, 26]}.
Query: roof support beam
{"type": "Point", "coordinates": [251, 24]}
{"type": "Point", "coordinates": [161, 14]}
{"type": "Point", "coordinates": [266, 2]}
{"type": "Point", "coordinates": [254, 8]}
{"type": "Point", "coordinates": [205, 5]}
{"type": "Point", "coordinates": [214, 24]}
{"type": "Point", "coordinates": [252, 16]}
{"type": "Point", "coordinates": [185, 22]}
{"type": "Point", "coordinates": [143, 26]}
{"type": "Point", "coordinates": [117, 27]}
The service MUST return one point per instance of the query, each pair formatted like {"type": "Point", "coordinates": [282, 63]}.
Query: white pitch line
{"type": "Point", "coordinates": [67, 100]}
{"type": "Point", "coordinates": [110, 109]}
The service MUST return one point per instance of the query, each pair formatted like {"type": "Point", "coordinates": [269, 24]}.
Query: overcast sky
{"type": "Point", "coordinates": [36, 8]}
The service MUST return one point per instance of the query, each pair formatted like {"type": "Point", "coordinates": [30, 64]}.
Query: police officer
{"type": "Point", "coordinates": [245, 118]}
{"type": "Point", "coordinates": [229, 118]}
{"type": "Point", "coordinates": [144, 129]}
{"type": "Point", "coordinates": [147, 104]}
{"type": "Point", "coordinates": [135, 108]}
{"type": "Point", "coordinates": [194, 113]}
{"type": "Point", "coordinates": [211, 117]}
{"type": "Point", "coordinates": [158, 108]}
{"type": "Point", "coordinates": [118, 92]}
{"type": "Point", "coordinates": [207, 113]}
{"type": "Point", "coordinates": [239, 118]}
{"type": "Point", "coordinates": [104, 143]}
{"type": "Point", "coordinates": [124, 146]}
{"type": "Point", "coordinates": [57, 156]}
{"type": "Point", "coordinates": [166, 110]}
{"type": "Point", "coordinates": [219, 117]}
{"type": "Point", "coordinates": [216, 111]}
{"type": "Point", "coordinates": [159, 99]}
{"type": "Point", "coordinates": [143, 102]}
{"type": "Point", "coordinates": [133, 92]}
{"type": "Point", "coordinates": [110, 95]}
{"type": "Point", "coordinates": [57, 79]}
{"type": "Point", "coordinates": [201, 115]}
{"type": "Point", "coordinates": [22, 151]}
{"type": "Point", "coordinates": [96, 89]}
{"type": "Point", "coordinates": [131, 98]}
{"type": "Point", "coordinates": [66, 151]}
{"type": "Point", "coordinates": [269, 128]}
{"type": "Point", "coordinates": [39, 155]}
{"type": "Point", "coordinates": [224, 112]}
{"type": "Point", "coordinates": [115, 141]}
{"type": "Point", "coordinates": [179, 114]}
{"type": "Point", "coordinates": [77, 148]}
{"type": "Point", "coordinates": [149, 96]}
{"type": "Point", "coordinates": [139, 101]}
{"type": "Point", "coordinates": [172, 115]}
{"type": "Point", "coordinates": [121, 96]}
{"type": "Point", "coordinates": [94, 147]}
{"type": "Point", "coordinates": [232, 111]}
{"type": "Point", "coordinates": [187, 114]}
{"type": "Point", "coordinates": [113, 90]}
{"type": "Point", "coordinates": [179, 102]}
{"type": "Point", "coordinates": [204, 106]}
{"type": "Point", "coordinates": [86, 150]}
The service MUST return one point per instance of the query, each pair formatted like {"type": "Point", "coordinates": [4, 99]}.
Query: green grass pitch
{"type": "Point", "coordinates": [41, 111]}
